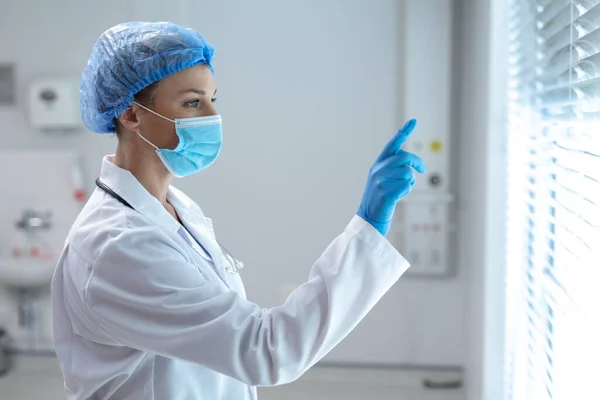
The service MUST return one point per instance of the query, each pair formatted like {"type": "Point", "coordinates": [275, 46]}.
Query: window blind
{"type": "Point", "coordinates": [553, 216]}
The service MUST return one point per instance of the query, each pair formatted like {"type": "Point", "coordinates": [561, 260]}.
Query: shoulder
{"type": "Point", "coordinates": [141, 253]}
{"type": "Point", "coordinates": [102, 221]}
{"type": "Point", "coordinates": [140, 262]}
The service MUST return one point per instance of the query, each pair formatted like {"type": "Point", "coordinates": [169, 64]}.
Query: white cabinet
{"type": "Point", "coordinates": [38, 377]}
{"type": "Point", "coordinates": [323, 382]}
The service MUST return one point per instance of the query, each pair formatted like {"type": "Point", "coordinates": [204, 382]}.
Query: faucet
{"type": "Point", "coordinates": [32, 220]}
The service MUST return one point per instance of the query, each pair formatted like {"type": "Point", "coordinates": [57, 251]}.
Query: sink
{"type": "Point", "coordinates": [26, 273]}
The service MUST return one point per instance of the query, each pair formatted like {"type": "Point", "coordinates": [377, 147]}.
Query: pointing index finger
{"type": "Point", "coordinates": [398, 140]}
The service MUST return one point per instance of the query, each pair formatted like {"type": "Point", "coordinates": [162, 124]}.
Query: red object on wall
{"type": "Point", "coordinates": [79, 195]}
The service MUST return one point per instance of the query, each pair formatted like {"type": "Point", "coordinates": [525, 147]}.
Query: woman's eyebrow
{"type": "Point", "coordinates": [198, 91]}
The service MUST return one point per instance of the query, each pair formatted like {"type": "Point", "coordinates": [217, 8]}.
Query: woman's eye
{"type": "Point", "coordinates": [192, 103]}
{"type": "Point", "coordinates": [213, 100]}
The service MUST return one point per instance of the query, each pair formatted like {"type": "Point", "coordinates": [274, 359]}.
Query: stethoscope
{"type": "Point", "coordinates": [234, 265]}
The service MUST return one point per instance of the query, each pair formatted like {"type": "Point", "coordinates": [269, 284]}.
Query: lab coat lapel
{"type": "Point", "coordinates": [203, 233]}
{"type": "Point", "coordinates": [199, 226]}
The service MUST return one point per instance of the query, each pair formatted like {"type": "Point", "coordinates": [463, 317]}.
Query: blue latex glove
{"type": "Point", "coordinates": [390, 178]}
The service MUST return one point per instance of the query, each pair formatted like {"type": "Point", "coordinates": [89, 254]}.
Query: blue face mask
{"type": "Point", "coordinates": [200, 141]}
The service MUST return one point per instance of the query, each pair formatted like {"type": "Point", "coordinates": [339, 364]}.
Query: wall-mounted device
{"type": "Point", "coordinates": [54, 104]}
{"type": "Point", "coordinates": [423, 225]}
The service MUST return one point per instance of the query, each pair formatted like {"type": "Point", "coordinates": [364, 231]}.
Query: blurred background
{"type": "Point", "coordinates": [502, 232]}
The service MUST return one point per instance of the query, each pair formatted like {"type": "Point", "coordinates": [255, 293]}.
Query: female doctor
{"type": "Point", "coordinates": [147, 304]}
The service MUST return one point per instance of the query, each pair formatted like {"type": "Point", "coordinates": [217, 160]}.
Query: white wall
{"type": "Point", "coordinates": [310, 92]}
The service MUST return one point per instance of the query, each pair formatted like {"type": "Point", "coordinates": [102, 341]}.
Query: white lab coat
{"type": "Point", "coordinates": [142, 312]}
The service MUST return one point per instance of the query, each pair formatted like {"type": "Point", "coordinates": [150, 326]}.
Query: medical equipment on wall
{"type": "Point", "coordinates": [79, 193]}
{"type": "Point", "coordinates": [422, 229]}
{"type": "Point", "coordinates": [54, 104]}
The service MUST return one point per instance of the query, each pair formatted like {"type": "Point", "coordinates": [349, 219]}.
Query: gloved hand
{"type": "Point", "coordinates": [390, 178]}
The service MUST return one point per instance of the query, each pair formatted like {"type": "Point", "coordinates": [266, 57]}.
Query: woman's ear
{"type": "Point", "coordinates": [129, 118]}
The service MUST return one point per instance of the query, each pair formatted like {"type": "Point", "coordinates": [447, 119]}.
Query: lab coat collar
{"type": "Point", "coordinates": [123, 183]}
{"type": "Point", "coordinates": [200, 227]}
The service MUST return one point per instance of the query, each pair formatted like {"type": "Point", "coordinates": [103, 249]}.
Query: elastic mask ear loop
{"type": "Point", "coordinates": [158, 115]}
{"type": "Point", "coordinates": [147, 141]}
{"type": "Point", "coordinates": [153, 112]}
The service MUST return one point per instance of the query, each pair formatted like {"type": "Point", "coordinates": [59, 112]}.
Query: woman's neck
{"type": "Point", "coordinates": [146, 167]}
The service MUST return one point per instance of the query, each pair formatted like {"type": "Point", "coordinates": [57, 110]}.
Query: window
{"type": "Point", "coordinates": [553, 224]}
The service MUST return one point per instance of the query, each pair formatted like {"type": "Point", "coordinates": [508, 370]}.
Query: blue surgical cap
{"type": "Point", "coordinates": [129, 57]}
